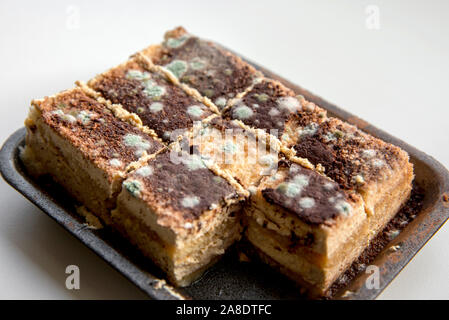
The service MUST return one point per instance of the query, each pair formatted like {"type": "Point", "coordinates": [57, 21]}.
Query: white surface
{"type": "Point", "coordinates": [396, 77]}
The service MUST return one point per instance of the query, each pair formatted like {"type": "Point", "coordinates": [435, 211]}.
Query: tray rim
{"type": "Point", "coordinates": [432, 221]}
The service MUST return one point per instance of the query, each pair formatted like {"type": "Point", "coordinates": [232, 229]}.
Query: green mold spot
{"type": "Point", "coordinates": [289, 189]}
{"type": "Point", "coordinates": [328, 186]}
{"type": "Point", "coordinates": [301, 180]}
{"type": "Point", "coordinates": [195, 111]}
{"type": "Point", "coordinates": [156, 107]}
{"type": "Point", "coordinates": [194, 162]}
{"type": "Point", "coordinates": [145, 171]}
{"type": "Point", "coordinates": [135, 141]}
{"type": "Point", "coordinates": [190, 202]}
{"type": "Point", "coordinates": [176, 42]}
{"type": "Point", "coordinates": [220, 102]}
{"type": "Point", "coordinates": [243, 112]}
{"type": "Point", "coordinates": [306, 202]}
{"type": "Point", "coordinates": [293, 188]}
{"type": "Point", "coordinates": [137, 75]}
{"type": "Point", "coordinates": [343, 207]}
{"type": "Point", "coordinates": [177, 67]}
{"type": "Point", "coordinates": [58, 112]}
{"type": "Point", "coordinates": [377, 163]}
{"type": "Point", "coordinates": [69, 118]}
{"type": "Point", "coordinates": [197, 64]}
{"type": "Point", "coordinates": [290, 104]}
{"type": "Point", "coordinates": [115, 162]}
{"type": "Point", "coordinates": [84, 117]}
{"type": "Point", "coordinates": [152, 90]}
{"type": "Point", "coordinates": [262, 97]}
{"type": "Point", "coordinates": [64, 116]}
{"type": "Point", "coordinates": [133, 187]}
{"type": "Point", "coordinates": [369, 153]}
{"type": "Point", "coordinates": [309, 130]}
{"type": "Point", "coordinates": [228, 72]}
{"type": "Point", "coordinates": [274, 112]}
{"type": "Point", "coordinates": [328, 137]}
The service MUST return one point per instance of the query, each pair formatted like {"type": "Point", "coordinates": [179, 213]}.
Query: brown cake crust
{"type": "Point", "coordinates": [350, 157]}
{"type": "Point", "coordinates": [161, 105]}
{"type": "Point", "coordinates": [203, 65]}
{"type": "Point", "coordinates": [268, 105]}
{"type": "Point", "coordinates": [181, 185]}
{"type": "Point", "coordinates": [93, 129]}
{"type": "Point", "coordinates": [323, 199]}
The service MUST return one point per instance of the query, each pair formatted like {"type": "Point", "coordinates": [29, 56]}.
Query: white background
{"type": "Point", "coordinates": [396, 77]}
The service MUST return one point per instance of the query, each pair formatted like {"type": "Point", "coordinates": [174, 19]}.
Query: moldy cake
{"type": "Point", "coordinates": [185, 148]}
{"type": "Point", "coordinates": [161, 105]}
{"type": "Point", "coordinates": [84, 147]}
{"type": "Point", "coordinates": [179, 213]}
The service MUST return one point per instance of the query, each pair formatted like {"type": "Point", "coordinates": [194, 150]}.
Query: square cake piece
{"type": "Point", "coordinates": [244, 155]}
{"type": "Point", "coordinates": [380, 172]}
{"type": "Point", "coordinates": [269, 105]}
{"type": "Point", "coordinates": [306, 226]}
{"type": "Point", "coordinates": [179, 213]}
{"type": "Point", "coordinates": [160, 105]}
{"type": "Point", "coordinates": [204, 66]}
{"type": "Point", "coordinates": [84, 147]}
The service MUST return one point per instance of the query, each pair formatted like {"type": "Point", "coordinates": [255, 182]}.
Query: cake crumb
{"type": "Point", "coordinates": [395, 248]}
{"type": "Point", "coordinates": [159, 284]}
{"type": "Point", "coordinates": [92, 222]}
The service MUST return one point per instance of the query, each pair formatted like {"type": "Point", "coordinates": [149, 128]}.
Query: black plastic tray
{"type": "Point", "coordinates": [229, 278]}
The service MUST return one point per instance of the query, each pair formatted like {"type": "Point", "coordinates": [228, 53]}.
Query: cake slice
{"type": "Point", "coordinates": [269, 105]}
{"type": "Point", "coordinates": [160, 105]}
{"type": "Point", "coordinates": [84, 147]}
{"type": "Point", "coordinates": [204, 66]}
{"type": "Point", "coordinates": [179, 213]}
{"type": "Point", "coordinates": [380, 172]}
{"type": "Point", "coordinates": [306, 226]}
